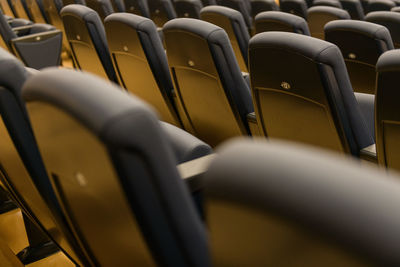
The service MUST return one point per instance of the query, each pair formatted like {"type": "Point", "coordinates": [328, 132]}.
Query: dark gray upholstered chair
{"type": "Point", "coordinates": [275, 204]}
{"type": "Point", "coordinates": [242, 6]}
{"type": "Point", "coordinates": [102, 7]}
{"type": "Point", "coordinates": [118, 5]}
{"type": "Point", "coordinates": [138, 7]}
{"type": "Point", "coordinates": [188, 8]}
{"type": "Point", "coordinates": [232, 22]}
{"type": "Point", "coordinates": [387, 109]}
{"type": "Point", "coordinates": [37, 45]}
{"type": "Point", "coordinates": [215, 97]}
{"type": "Point", "coordinates": [395, 9]}
{"type": "Point", "coordinates": [295, 7]}
{"type": "Point", "coordinates": [361, 44]}
{"type": "Point", "coordinates": [280, 21]}
{"type": "Point", "coordinates": [116, 174]}
{"type": "Point", "coordinates": [354, 8]}
{"type": "Point", "coordinates": [87, 39]}
{"type": "Point", "coordinates": [258, 6]}
{"type": "Point", "coordinates": [319, 16]}
{"type": "Point", "coordinates": [161, 11]}
{"type": "Point", "coordinates": [315, 105]}
{"type": "Point", "coordinates": [380, 5]}
{"type": "Point", "coordinates": [139, 56]}
{"type": "Point", "coordinates": [22, 170]}
{"type": "Point", "coordinates": [391, 20]}
{"type": "Point", "coordinates": [332, 3]}
{"type": "Point", "coordinates": [37, 11]}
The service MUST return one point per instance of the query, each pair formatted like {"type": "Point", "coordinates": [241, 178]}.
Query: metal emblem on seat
{"type": "Point", "coordinates": [78, 37]}
{"type": "Point", "coordinates": [80, 178]}
{"type": "Point", "coordinates": [191, 63]}
{"type": "Point", "coordinates": [125, 48]}
{"type": "Point", "coordinates": [352, 56]}
{"type": "Point", "coordinates": [157, 11]}
{"type": "Point", "coordinates": [285, 85]}
{"type": "Point", "coordinates": [132, 8]}
{"type": "Point", "coordinates": [38, 38]}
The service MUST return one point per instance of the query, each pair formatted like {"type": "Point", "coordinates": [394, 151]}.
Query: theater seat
{"type": "Point", "coordinates": [275, 204]}
{"type": "Point", "coordinates": [295, 7]}
{"type": "Point", "coordinates": [188, 8]}
{"type": "Point", "coordinates": [87, 39]}
{"type": "Point", "coordinates": [318, 108]}
{"type": "Point", "coordinates": [102, 7]}
{"type": "Point", "coordinates": [232, 22]}
{"type": "Point", "coordinates": [37, 45]}
{"type": "Point", "coordinates": [210, 87]}
{"type": "Point", "coordinates": [139, 56]}
{"type": "Point", "coordinates": [243, 6]}
{"type": "Point", "coordinates": [354, 8]}
{"type": "Point", "coordinates": [361, 44]}
{"type": "Point", "coordinates": [380, 5]}
{"type": "Point", "coordinates": [138, 7]}
{"type": "Point", "coordinates": [280, 21]}
{"type": "Point", "coordinates": [391, 20]}
{"type": "Point", "coordinates": [386, 110]}
{"type": "Point", "coordinates": [161, 11]}
{"type": "Point", "coordinates": [258, 6]}
{"type": "Point", "coordinates": [116, 172]}
{"type": "Point", "coordinates": [319, 16]}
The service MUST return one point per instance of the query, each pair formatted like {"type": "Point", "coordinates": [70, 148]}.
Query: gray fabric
{"type": "Point", "coordinates": [354, 8]}
{"type": "Point", "coordinates": [388, 61]}
{"type": "Point", "coordinates": [391, 20]}
{"type": "Point", "coordinates": [354, 206]}
{"type": "Point", "coordinates": [258, 6]}
{"type": "Point", "coordinates": [332, 3]}
{"type": "Point", "coordinates": [132, 133]}
{"type": "Point", "coordinates": [240, 5]}
{"type": "Point", "coordinates": [185, 146]}
{"type": "Point", "coordinates": [296, 7]}
{"type": "Point", "coordinates": [366, 102]}
{"type": "Point", "coordinates": [298, 23]}
{"type": "Point", "coordinates": [188, 6]}
{"type": "Point", "coordinates": [330, 55]}
{"type": "Point", "coordinates": [395, 9]}
{"type": "Point", "coordinates": [380, 5]}
{"type": "Point", "coordinates": [332, 11]}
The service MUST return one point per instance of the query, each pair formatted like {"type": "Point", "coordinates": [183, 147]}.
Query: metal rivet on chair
{"type": "Point", "coordinates": [38, 38]}
{"type": "Point", "coordinates": [132, 8]}
{"type": "Point", "coordinates": [80, 178]}
{"type": "Point", "coordinates": [191, 63]}
{"type": "Point", "coordinates": [125, 48]}
{"type": "Point", "coordinates": [285, 85]}
{"type": "Point", "coordinates": [78, 37]}
{"type": "Point", "coordinates": [157, 11]}
{"type": "Point", "coordinates": [186, 15]}
{"type": "Point", "coordinates": [352, 56]}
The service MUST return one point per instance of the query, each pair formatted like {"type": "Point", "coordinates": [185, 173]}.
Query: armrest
{"type": "Point", "coordinates": [22, 30]}
{"type": "Point", "coordinates": [369, 154]}
{"type": "Point", "coordinates": [192, 172]}
{"type": "Point", "coordinates": [33, 29]}
{"type": "Point", "coordinates": [253, 125]}
{"type": "Point", "coordinates": [19, 22]}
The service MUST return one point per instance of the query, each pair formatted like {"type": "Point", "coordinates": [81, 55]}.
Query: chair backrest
{"type": "Point", "coordinates": [319, 16]}
{"type": "Point", "coordinates": [332, 3]}
{"type": "Point", "coordinates": [6, 32]}
{"type": "Point", "coordinates": [137, 7]}
{"type": "Point", "coordinates": [102, 7]}
{"type": "Point", "coordinates": [22, 169]}
{"type": "Point", "coordinates": [138, 55]}
{"type": "Point", "coordinates": [258, 208]}
{"type": "Point", "coordinates": [354, 8]}
{"type": "Point", "coordinates": [115, 174]}
{"type": "Point", "coordinates": [210, 87]}
{"type": "Point", "coordinates": [161, 11]}
{"type": "Point", "coordinates": [37, 11]}
{"type": "Point", "coordinates": [258, 6]}
{"type": "Point", "coordinates": [208, 2]}
{"type": "Point", "coordinates": [391, 20]}
{"type": "Point", "coordinates": [118, 5]}
{"type": "Point", "coordinates": [361, 44]}
{"type": "Point", "coordinates": [295, 7]}
{"type": "Point", "coordinates": [395, 9]}
{"type": "Point", "coordinates": [380, 5]}
{"type": "Point", "coordinates": [232, 22]}
{"type": "Point", "coordinates": [280, 21]}
{"type": "Point", "coordinates": [386, 110]}
{"type": "Point", "coordinates": [188, 8]}
{"type": "Point", "coordinates": [315, 105]}
{"type": "Point", "coordinates": [87, 39]}
{"type": "Point", "coordinates": [241, 6]}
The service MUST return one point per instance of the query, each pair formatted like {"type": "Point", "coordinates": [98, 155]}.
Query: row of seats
{"type": "Point", "coordinates": [107, 190]}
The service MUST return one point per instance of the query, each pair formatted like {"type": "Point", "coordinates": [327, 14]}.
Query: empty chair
{"type": "Point", "coordinates": [259, 209]}
{"type": "Point", "coordinates": [380, 5]}
{"type": "Point", "coordinates": [354, 8]}
{"type": "Point", "coordinates": [232, 22]}
{"type": "Point", "coordinates": [361, 44]}
{"type": "Point", "coordinates": [102, 7]}
{"type": "Point", "coordinates": [116, 172]}
{"type": "Point", "coordinates": [138, 7]}
{"type": "Point", "coordinates": [320, 15]}
{"type": "Point", "coordinates": [37, 45]}
{"type": "Point", "coordinates": [315, 105]}
{"type": "Point", "coordinates": [210, 87]}
{"type": "Point", "coordinates": [87, 39]}
{"type": "Point", "coordinates": [258, 6]}
{"type": "Point", "coordinates": [188, 8]}
{"type": "Point", "coordinates": [240, 5]}
{"type": "Point", "coordinates": [295, 7]}
{"type": "Point", "coordinates": [386, 109]}
{"type": "Point", "coordinates": [332, 3]}
{"type": "Point", "coordinates": [138, 54]}
{"type": "Point", "coordinates": [391, 20]}
{"type": "Point", "coordinates": [161, 11]}
{"type": "Point", "coordinates": [279, 21]}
